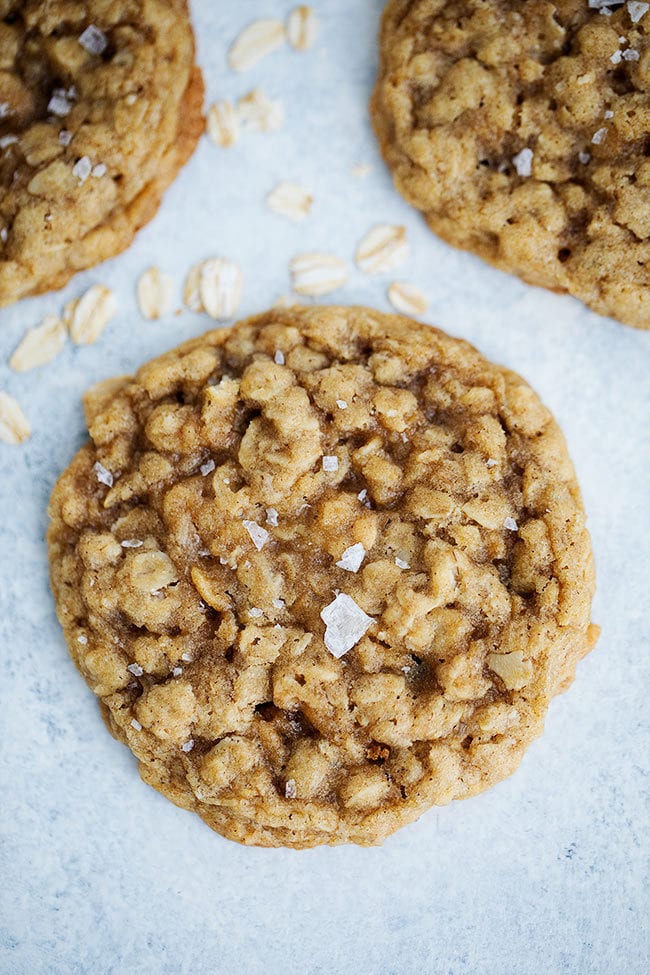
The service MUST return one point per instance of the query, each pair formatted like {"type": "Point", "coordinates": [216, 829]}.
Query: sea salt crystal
{"type": "Point", "coordinates": [136, 724]}
{"type": "Point", "coordinates": [177, 671]}
{"type": "Point", "coordinates": [131, 543]}
{"type": "Point", "coordinates": [598, 4]}
{"type": "Point", "coordinates": [259, 536]}
{"type": "Point", "coordinates": [599, 136]}
{"type": "Point", "coordinates": [103, 476]}
{"type": "Point", "coordinates": [352, 558]}
{"type": "Point", "coordinates": [523, 162]}
{"type": "Point", "coordinates": [345, 624]}
{"type": "Point", "coordinates": [631, 54]}
{"type": "Point", "coordinates": [186, 657]}
{"type": "Point", "coordinates": [208, 467]}
{"type": "Point", "coordinates": [491, 462]}
{"type": "Point", "coordinates": [65, 137]}
{"type": "Point", "coordinates": [342, 405]}
{"type": "Point", "coordinates": [401, 564]}
{"type": "Point", "coordinates": [59, 104]}
{"type": "Point", "coordinates": [510, 524]}
{"type": "Point", "coordinates": [82, 169]}
{"type": "Point", "coordinates": [4, 234]}
{"type": "Point", "coordinates": [584, 157]}
{"type": "Point", "coordinates": [272, 517]}
{"type": "Point", "coordinates": [93, 40]}
{"type": "Point", "coordinates": [616, 57]}
{"type": "Point", "coordinates": [330, 463]}
{"type": "Point", "coordinates": [99, 170]}
{"type": "Point", "coordinates": [290, 789]}
{"type": "Point", "coordinates": [637, 10]}
{"type": "Point", "coordinates": [8, 140]}
{"type": "Point", "coordinates": [82, 639]}
{"type": "Point", "coordinates": [608, 114]}
{"type": "Point", "coordinates": [188, 745]}
{"type": "Point", "coordinates": [278, 358]}
{"type": "Point", "coordinates": [362, 495]}
{"type": "Point", "coordinates": [278, 603]}
{"type": "Point", "coordinates": [255, 612]}
{"type": "Point", "coordinates": [135, 669]}
{"type": "Point", "coordinates": [4, 109]}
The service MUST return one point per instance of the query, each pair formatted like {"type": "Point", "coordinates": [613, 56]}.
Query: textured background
{"type": "Point", "coordinates": [545, 873]}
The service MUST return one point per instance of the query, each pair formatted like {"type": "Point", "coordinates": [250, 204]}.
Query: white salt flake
{"type": "Point", "coordinates": [187, 657]}
{"type": "Point", "coordinates": [352, 558]}
{"type": "Point", "coordinates": [608, 114]}
{"type": "Point", "coordinates": [65, 137]}
{"type": "Point", "coordinates": [272, 517]}
{"type": "Point", "coordinates": [208, 467]}
{"type": "Point", "coordinates": [188, 745]}
{"type": "Point", "coordinates": [99, 170]}
{"type": "Point", "coordinates": [599, 136]}
{"type": "Point", "coordinates": [82, 169]}
{"type": "Point", "coordinates": [135, 669]}
{"type": "Point", "coordinates": [584, 157]}
{"type": "Point", "coordinates": [131, 543]}
{"type": "Point", "coordinates": [510, 524]}
{"type": "Point", "coordinates": [342, 405]}
{"type": "Point", "coordinates": [93, 40]}
{"type": "Point", "coordinates": [4, 109]}
{"type": "Point", "coordinates": [103, 475]}
{"type": "Point", "coordinates": [59, 104]}
{"type": "Point", "coordinates": [363, 494]}
{"type": "Point", "coordinates": [255, 612]}
{"type": "Point", "coordinates": [136, 724]}
{"type": "Point", "coordinates": [345, 624]}
{"type": "Point", "coordinates": [4, 234]}
{"type": "Point", "coordinates": [177, 671]}
{"type": "Point", "coordinates": [631, 54]}
{"type": "Point", "coordinates": [82, 639]}
{"type": "Point", "coordinates": [637, 10]}
{"type": "Point", "coordinates": [616, 57]}
{"type": "Point", "coordinates": [7, 140]}
{"type": "Point", "coordinates": [523, 162]}
{"type": "Point", "coordinates": [491, 462]}
{"type": "Point", "coordinates": [278, 603]}
{"type": "Point", "coordinates": [278, 358]}
{"type": "Point", "coordinates": [401, 564]}
{"type": "Point", "coordinates": [330, 463]}
{"type": "Point", "coordinates": [290, 789]}
{"type": "Point", "coordinates": [259, 536]}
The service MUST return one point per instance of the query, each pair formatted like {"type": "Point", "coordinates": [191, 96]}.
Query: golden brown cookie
{"type": "Point", "coordinates": [324, 570]}
{"type": "Point", "coordinates": [100, 106]}
{"type": "Point", "coordinates": [522, 132]}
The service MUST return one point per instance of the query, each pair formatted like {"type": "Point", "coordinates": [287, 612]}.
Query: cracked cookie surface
{"type": "Point", "coordinates": [324, 570]}
{"type": "Point", "coordinates": [100, 106]}
{"type": "Point", "coordinates": [520, 130]}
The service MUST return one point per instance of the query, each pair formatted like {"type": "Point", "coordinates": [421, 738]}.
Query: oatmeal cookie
{"type": "Point", "coordinates": [522, 132]}
{"type": "Point", "coordinates": [323, 569]}
{"type": "Point", "coordinates": [100, 106]}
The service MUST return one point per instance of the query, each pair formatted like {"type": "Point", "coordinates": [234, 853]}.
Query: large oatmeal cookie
{"type": "Point", "coordinates": [522, 132]}
{"type": "Point", "coordinates": [100, 106]}
{"type": "Point", "coordinates": [323, 570]}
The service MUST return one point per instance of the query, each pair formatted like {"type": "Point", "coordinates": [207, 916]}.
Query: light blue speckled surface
{"type": "Point", "coordinates": [545, 873]}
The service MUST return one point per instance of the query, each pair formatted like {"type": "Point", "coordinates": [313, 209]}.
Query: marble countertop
{"type": "Point", "coordinates": [547, 872]}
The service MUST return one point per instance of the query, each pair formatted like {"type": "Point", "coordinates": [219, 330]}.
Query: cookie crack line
{"type": "Point", "coordinates": [311, 623]}
{"type": "Point", "coordinates": [460, 83]}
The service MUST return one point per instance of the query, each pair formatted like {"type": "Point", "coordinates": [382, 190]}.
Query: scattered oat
{"type": "Point", "coordinates": [407, 299]}
{"type": "Point", "coordinates": [345, 624]}
{"type": "Point", "coordinates": [290, 791]}
{"type": "Point", "coordinates": [401, 564]}
{"type": "Point", "coordinates": [88, 316]}
{"type": "Point", "coordinates": [135, 669]}
{"type": "Point", "coordinates": [188, 745]}
{"type": "Point", "coordinates": [220, 288]}
{"type": "Point", "coordinates": [510, 524]}
{"type": "Point", "coordinates": [131, 543]}
{"type": "Point", "coordinates": [260, 112]}
{"type": "Point", "coordinates": [302, 28]}
{"type": "Point", "coordinates": [330, 463]}
{"type": "Point", "coordinates": [272, 517]}
{"type": "Point", "coordinates": [207, 468]}
{"type": "Point", "coordinates": [290, 200]}
{"type": "Point", "coordinates": [93, 40]}
{"type": "Point", "coordinates": [317, 274]}
{"type": "Point", "coordinates": [223, 123]}
{"type": "Point", "coordinates": [523, 162]}
{"type": "Point", "coordinates": [14, 426]}
{"type": "Point", "coordinates": [103, 475]}
{"type": "Point", "coordinates": [136, 724]}
{"type": "Point", "coordinates": [361, 170]}
{"type": "Point", "coordinates": [192, 288]}
{"type": "Point", "coordinates": [599, 136]}
{"type": "Point", "coordinates": [259, 536]}
{"type": "Point", "coordinates": [284, 301]}
{"type": "Point", "coordinates": [255, 42]}
{"type": "Point", "coordinates": [82, 169]}
{"type": "Point", "coordinates": [637, 10]}
{"type": "Point", "coordinates": [155, 292]}
{"type": "Point", "coordinates": [39, 345]}
{"type": "Point", "coordinates": [352, 558]}
{"type": "Point", "coordinates": [383, 248]}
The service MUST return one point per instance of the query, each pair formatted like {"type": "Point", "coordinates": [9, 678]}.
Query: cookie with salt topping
{"type": "Point", "coordinates": [520, 130]}
{"type": "Point", "coordinates": [324, 570]}
{"type": "Point", "coordinates": [100, 106]}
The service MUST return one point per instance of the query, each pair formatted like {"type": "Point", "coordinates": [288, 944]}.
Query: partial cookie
{"type": "Point", "coordinates": [323, 569]}
{"type": "Point", "coordinates": [100, 106]}
{"type": "Point", "coordinates": [521, 130]}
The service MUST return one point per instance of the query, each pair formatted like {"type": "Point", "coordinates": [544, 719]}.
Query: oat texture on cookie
{"type": "Point", "coordinates": [100, 105]}
{"type": "Point", "coordinates": [520, 130]}
{"type": "Point", "coordinates": [323, 569]}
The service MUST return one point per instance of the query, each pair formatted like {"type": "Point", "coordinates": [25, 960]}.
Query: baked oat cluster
{"type": "Point", "coordinates": [100, 106]}
{"type": "Point", "coordinates": [522, 132]}
{"type": "Point", "coordinates": [323, 569]}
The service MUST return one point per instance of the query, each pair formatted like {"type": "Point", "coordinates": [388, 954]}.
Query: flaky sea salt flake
{"type": "Point", "coordinates": [290, 791]}
{"type": "Point", "coordinates": [401, 564]}
{"type": "Point", "coordinates": [584, 157]}
{"type": "Point", "coordinates": [65, 137]}
{"type": "Point", "coordinates": [188, 745]}
{"type": "Point", "coordinates": [510, 524]}
{"type": "Point", "coordinates": [93, 40]}
{"type": "Point", "coordinates": [177, 671]}
{"type": "Point", "coordinates": [278, 358]}
{"type": "Point", "coordinates": [59, 104]}
{"type": "Point", "coordinates": [82, 169]}
{"type": "Point", "coordinates": [352, 558]}
{"type": "Point", "coordinates": [207, 468]}
{"type": "Point", "coordinates": [345, 624]}
{"type": "Point", "coordinates": [131, 543]}
{"type": "Point", "coordinates": [491, 462]}
{"type": "Point", "coordinates": [637, 10]}
{"type": "Point", "coordinates": [103, 475]}
{"type": "Point", "coordinates": [523, 162]}
{"type": "Point", "coordinates": [599, 136]}
{"type": "Point", "coordinates": [135, 669]}
{"type": "Point", "coordinates": [272, 517]}
{"type": "Point", "coordinates": [330, 463]}
{"type": "Point", "coordinates": [259, 536]}
{"type": "Point", "coordinates": [136, 724]}
{"type": "Point", "coordinates": [631, 54]}
{"type": "Point", "coordinates": [82, 639]}
{"type": "Point", "coordinates": [342, 405]}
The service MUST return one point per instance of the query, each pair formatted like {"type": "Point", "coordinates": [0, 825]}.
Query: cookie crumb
{"type": "Point", "coordinates": [345, 624]}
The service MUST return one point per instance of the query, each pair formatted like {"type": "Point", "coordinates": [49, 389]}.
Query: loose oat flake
{"type": "Point", "coordinates": [407, 299]}
{"type": "Point", "coordinates": [220, 287]}
{"type": "Point", "coordinates": [383, 248]}
{"type": "Point", "coordinates": [352, 558]}
{"type": "Point", "coordinates": [14, 425]}
{"type": "Point", "coordinates": [40, 345]}
{"type": "Point", "coordinates": [290, 200]}
{"type": "Point", "coordinates": [223, 123]}
{"type": "Point", "coordinates": [302, 28]}
{"type": "Point", "coordinates": [317, 274]}
{"type": "Point", "coordinates": [192, 288]}
{"type": "Point", "coordinates": [345, 624]}
{"type": "Point", "coordinates": [88, 316]}
{"type": "Point", "coordinates": [255, 42]}
{"type": "Point", "coordinates": [155, 292]}
{"type": "Point", "coordinates": [259, 536]}
{"type": "Point", "coordinates": [258, 111]}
